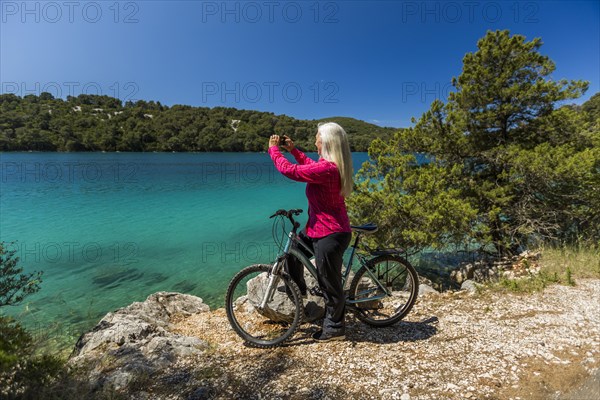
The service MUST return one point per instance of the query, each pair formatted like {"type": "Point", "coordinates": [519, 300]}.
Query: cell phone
{"type": "Point", "coordinates": [282, 141]}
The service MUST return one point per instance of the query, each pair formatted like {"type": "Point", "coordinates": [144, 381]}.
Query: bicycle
{"type": "Point", "coordinates": [265, 314]}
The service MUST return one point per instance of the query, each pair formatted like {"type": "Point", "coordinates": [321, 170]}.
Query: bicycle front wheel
{"type": "Point", "coordinates": [267, 326]}
{"type": "Point", "coordinates": [384, 290]}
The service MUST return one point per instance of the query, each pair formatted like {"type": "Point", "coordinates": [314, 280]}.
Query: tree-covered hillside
{"type": "Point", "coordinates": [103, 123]}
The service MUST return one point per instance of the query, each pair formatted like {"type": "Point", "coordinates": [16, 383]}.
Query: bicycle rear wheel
{"type": "Point", "coordinates": [271, 325]}
{"type": "Point", "coordinates": [373, 305]}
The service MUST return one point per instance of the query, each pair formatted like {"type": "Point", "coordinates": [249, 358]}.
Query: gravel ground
{"type": "Point", "coordinates": [453, 345]}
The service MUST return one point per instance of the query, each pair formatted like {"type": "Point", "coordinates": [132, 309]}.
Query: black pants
{"type": "Point", "coordinates": [329, 251]}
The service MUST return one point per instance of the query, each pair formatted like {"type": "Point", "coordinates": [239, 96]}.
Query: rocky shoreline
{"type": "Point", "coordinates": [453, 345]}
{"type": "Point", "coordinates": [524, 264]}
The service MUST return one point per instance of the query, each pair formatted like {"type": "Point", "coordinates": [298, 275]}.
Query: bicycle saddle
{"type": "Point", "coordinates": [365, 228]}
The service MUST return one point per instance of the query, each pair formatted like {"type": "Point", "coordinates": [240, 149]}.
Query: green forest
{"type": "Point", "coordinates": [103, 123]}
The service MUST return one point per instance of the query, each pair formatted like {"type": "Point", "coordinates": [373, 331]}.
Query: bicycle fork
{"type": "Point", "coordinates": [272, 285]}
{"type": "Point", "coordinates": [275, 274]}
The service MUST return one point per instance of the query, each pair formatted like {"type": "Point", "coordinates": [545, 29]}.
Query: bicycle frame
{"type": "Point", "coordinates": [265, 306]}
{"type": "Point", "coordinates": [278, 265]}
{"type": "Point", "coordinates": [363, 261]}
{"type": "Point", "coordinates": [289, 250]}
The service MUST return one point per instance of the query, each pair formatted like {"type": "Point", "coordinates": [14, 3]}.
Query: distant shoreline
{"type": "Point", "coordinates": [103, 123]}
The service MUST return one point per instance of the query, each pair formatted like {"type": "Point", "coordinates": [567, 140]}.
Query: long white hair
{"type": "Point", "coordinates": [335, 148]}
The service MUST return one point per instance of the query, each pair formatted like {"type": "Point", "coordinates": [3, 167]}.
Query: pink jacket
{"type": "Point", "coordinates": [326, 207]}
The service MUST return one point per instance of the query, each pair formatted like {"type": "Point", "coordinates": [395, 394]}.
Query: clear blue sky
{"type": "Point", "coordinates": [379, 61]}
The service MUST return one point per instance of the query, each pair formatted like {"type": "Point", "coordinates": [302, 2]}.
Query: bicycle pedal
{"type": "Point", "coordinates": [315, 291]}
{"type": "Point", "coordinates": [353, 308]}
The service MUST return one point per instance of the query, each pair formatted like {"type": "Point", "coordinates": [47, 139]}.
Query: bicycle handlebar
{"type": "Point", "coordinates": [289, 214]}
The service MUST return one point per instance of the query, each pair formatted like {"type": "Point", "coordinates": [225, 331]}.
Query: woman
{"type": "Point", "coordinates": [329, 181]}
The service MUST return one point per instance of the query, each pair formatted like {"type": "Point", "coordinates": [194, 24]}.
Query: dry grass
{"type": "Point", "coordinates": [562, 265]}
{"type": "Point", "coordinates": [579, 262]}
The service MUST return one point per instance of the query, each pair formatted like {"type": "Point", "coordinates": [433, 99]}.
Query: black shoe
{"type": "Point", "coordinates": [326, 337]}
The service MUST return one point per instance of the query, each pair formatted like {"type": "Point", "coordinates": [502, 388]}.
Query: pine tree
{"type": "Point", "coordinates": [505, 165]}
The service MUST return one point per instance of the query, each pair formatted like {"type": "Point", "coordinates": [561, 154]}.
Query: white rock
{"type": "Point", "coordinates": [136, 340]}
{"type": "Point", "coordinates": [426, 289]}
{"type": "Point", "coordinates": [470, 286]}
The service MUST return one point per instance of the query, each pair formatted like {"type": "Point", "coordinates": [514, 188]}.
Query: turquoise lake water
{"type": "Point", "coordinates": [109, 229]}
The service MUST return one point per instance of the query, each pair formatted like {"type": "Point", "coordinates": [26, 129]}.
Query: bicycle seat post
{"type": "Point", "coordinates": [356, 240]}
{"type": "Point", "coordinates": [351, 259]}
